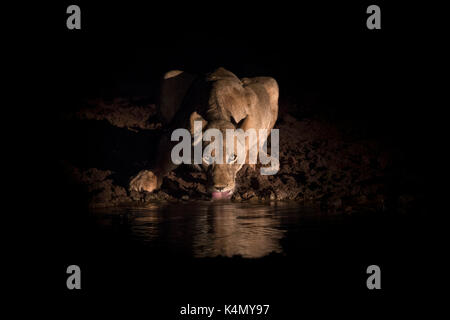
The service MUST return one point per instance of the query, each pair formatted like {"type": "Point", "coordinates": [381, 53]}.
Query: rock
{"type": "Point", "coordinates": [150, 196]}
{"type": "Point", "coordinates": [337, 203]}
{"type": "Point", "coordinates": [281, 195]}
{"type": "Point", "coordinates": [136, 196]}
{"type": "Point", "coordinates": [362, 199]}
{"type": "Point", "coordinates": [248, 195]}
{"type": "Point", "coordinates": [119, 112]}
{"type": "Point", "coordinates": [236, 196]}
{"type": "Point", "coordinates": [272, 196]}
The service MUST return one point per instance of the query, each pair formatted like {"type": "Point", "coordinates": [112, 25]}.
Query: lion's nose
{"type": "Point", "coordinates": [219, 188]}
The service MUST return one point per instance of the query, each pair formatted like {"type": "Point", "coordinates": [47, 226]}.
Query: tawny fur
{"type": "Point", "coordinates": [220, 100]}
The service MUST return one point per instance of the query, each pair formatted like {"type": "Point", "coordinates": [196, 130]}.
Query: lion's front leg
{"type": "Point", "coordinates": [145, 180]}
{"type": "Point", "coordinates": [151, 180]}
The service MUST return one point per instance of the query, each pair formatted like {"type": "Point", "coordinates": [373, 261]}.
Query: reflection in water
{"type": "Point", "coordinates": [207, 229]}
{"type": "Point", "coordinates": [228, 230]}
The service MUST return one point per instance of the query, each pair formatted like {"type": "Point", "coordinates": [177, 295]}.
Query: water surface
{"type": "Point", "coordinates": [211, 229]}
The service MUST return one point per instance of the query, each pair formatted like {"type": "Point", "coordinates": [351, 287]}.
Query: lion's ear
{"type": "Point", "coordinates": [239, 123]}
{"type": "Point", "coordinates": [193, 118]}
{"type": "Point", "coordinates": [247, 99]}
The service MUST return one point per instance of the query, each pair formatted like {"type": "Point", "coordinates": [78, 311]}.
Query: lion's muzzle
{"type": "Point", "coordinates": [216, 195]}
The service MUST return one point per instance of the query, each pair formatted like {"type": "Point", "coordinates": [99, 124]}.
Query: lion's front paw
{"type": "Point", "coordinates": [144, 181]}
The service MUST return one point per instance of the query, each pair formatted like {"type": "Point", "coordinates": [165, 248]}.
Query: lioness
{"type": "Point", "coordinates": [219, 100]}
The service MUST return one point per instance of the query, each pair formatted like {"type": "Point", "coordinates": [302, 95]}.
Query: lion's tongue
{"type": "Point", "coordinates": [220, 195]}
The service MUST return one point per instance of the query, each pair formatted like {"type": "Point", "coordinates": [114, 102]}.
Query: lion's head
{"type": "Point", "coordinates": [221, 175]}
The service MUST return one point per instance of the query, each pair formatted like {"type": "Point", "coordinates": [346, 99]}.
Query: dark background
{"type": "Point", "coordinates": [370, 79]}
{"type": "Point", "coordinates": [315, 50]}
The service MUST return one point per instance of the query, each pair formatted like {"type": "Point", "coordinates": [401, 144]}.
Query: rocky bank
{"type": "Point", "coordinates": [321, 163]}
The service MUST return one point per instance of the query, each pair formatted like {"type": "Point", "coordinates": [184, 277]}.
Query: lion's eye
{"type": "Point", "coordinates": [208, 159]}
{"type": "Point", "coordinates": [232, 158]}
